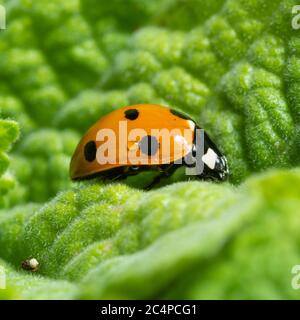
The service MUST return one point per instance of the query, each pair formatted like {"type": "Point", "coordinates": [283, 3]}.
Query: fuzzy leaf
{"type": "Point", "coordinates": [113, 242]}
{"type": "Point", "coordinates": [233, 65]}
{"type": "Point", "coordinates": [9, 132]}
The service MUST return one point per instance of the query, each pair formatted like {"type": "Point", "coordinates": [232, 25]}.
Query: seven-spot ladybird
{"type": "Point", "coordinates": [134, 138]}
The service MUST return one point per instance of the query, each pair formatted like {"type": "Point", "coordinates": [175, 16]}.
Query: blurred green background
{"type": "Point", "coordinates": [233, 65]}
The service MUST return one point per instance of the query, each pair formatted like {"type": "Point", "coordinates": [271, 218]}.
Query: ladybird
{"type": "Point", "coordinates": [30, 265]}
{"type": "Point", "coordinates": [142, 137]}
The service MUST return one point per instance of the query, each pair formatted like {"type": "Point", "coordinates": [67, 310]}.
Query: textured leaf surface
{"type": "Point", "coordinates": [233, 65]}
{"type": "Point", "coordinates": [115, 242]}
{"type": "Point", "coordinates": [9, 132]}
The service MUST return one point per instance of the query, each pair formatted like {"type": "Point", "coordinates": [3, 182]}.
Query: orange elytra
{"type": "Point", "coordinates": [142, 137]}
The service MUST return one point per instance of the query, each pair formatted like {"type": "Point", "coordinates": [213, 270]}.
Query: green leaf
{"type": "Point", "coordinates": [113, 242]}
{"type": "Point", "coordinates": [20, 285]}
{"type": "Point", "coordinates": [233, 66]}
{"type": "Point", "coordinates": [48, 168]}
{"type": "Point", "coordinates": [9, 132]}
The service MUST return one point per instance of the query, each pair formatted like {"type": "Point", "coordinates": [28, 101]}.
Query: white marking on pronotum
{"type": "Point", "coordinates": [2, 17]}
{"type": "Point", "coordinates": [210, 158]}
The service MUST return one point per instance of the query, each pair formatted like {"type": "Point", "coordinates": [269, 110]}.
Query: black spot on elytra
{"type": "Point", "coordinates": [90, 150]}
{"type": "Point", "coordinates": [180, 114]}
{"type": "Point", "coordinates": [131, 114]}
{"type": "Point", "coordinates": [149, 145]}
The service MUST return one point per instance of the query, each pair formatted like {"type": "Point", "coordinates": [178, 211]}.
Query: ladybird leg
{"type": "Point", "coordinates": [165, 172]}
{"type": "Point", "coordinates": [155, 181]}
{"type": "Point", "coordinates": [115, 174]}
{"type": "Point", "coordinates": [122, 174]}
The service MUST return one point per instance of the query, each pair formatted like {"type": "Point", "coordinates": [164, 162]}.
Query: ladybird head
{"type": "Point", "coordinates": [221, 168]}
{"type": "Point", "coordinates": [215, 166]}
{"type": "Point", "coordinates": [215, 163]}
